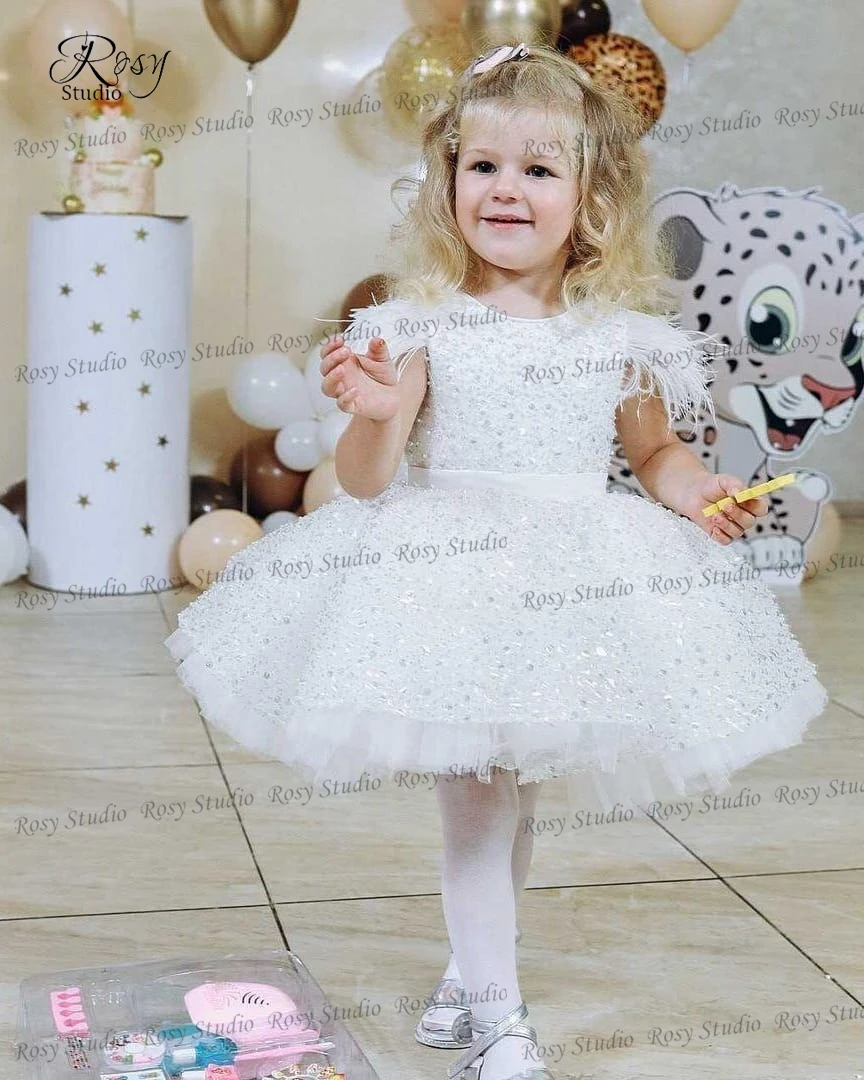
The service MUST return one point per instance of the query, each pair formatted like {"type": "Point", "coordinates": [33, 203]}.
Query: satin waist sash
{"type": "Point", "coordinates": [540, 485]}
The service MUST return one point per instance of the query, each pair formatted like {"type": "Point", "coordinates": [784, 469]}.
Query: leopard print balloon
{"type": "Point", "coordinates": [625, 64]}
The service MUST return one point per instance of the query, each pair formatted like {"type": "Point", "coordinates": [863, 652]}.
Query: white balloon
{"type": "Point", "coordinates": [14, 547]}
{"type": "Point", "coordinates": [276, 520]}
{"type": "Point", "coordinates": [268, 391]}
{"type": "Point", "coordinates": [329, 430]}
{"type": "Point", "coordinates": [321, 404]}
{"type": "Point", "coordinates": [297, 445]}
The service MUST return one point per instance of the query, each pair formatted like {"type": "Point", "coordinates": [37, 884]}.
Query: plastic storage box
{"type": "Point", "coordinates": [236, 1017]}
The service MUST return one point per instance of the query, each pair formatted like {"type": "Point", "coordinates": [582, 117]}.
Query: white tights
{"type": "Point", "coordinates": [487, 854]}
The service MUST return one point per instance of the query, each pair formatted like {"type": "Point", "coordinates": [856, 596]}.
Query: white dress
{"type": "Point", "coordinates": [496, 607]}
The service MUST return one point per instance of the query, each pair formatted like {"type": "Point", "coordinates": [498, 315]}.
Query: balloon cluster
{"type": "Point", "coordinates": [277, 478]}
{"type": "Point", "coordinates": [422, 66]}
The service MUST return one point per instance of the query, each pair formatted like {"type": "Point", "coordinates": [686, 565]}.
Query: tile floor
{"type": "Point", "coordinates": [714, 945]}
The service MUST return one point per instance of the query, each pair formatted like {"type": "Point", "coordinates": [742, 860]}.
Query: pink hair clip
{"type": "Point", "coordinates": [498, 56]}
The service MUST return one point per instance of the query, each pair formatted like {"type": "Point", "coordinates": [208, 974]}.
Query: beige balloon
{"type": "Point", "coordinates": [824, 541]}
{"type": "Point", "coordinates": [487, 23]}
{"type": "Point", "coordinates": [210, 541]}
{"type": "Point", "coordinates": [58, 20]}
{"type": "Point", "coordinates": [689, 24]}
{"type": "Point", "coordinates": [251, 29]}
{"type": "Point", "coordinates": [322, 485]}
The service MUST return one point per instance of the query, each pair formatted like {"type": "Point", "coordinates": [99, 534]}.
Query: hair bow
{"type": "Point", "coordinates": [498, 56]}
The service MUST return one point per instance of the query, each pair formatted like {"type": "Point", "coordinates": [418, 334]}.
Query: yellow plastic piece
{"type": "Point", "coordinates": [750, 493]}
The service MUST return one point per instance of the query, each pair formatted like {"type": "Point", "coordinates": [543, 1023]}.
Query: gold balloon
{"type": "Point", "coordinates": [487, 23]}
{"type": "Point", "coordinates": [72, 204]}
{"type": "Point", "coordinates": [251, 29]}
{"type": "Point", "coordinates": [420, 68]}
{"type": "Point", "coordinates": [154, 156]}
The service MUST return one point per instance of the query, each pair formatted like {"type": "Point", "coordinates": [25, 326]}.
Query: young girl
{"type": "Point", "coordinates": [490, 615]}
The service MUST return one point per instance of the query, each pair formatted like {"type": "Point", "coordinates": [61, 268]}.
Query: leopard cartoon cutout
{"type": "Point", "coordinates": [778, 276]}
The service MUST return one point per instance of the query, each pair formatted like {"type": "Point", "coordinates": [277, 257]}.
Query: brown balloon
{"type": "Point", "coordinates": [15, 501]}
{"type": "Point", "coordinates": [626, 64]}
{"type": "Point", "coordinates": [251, 29]}
{"type": "Point", "coordinates": [371, 290]}
{"type": "Point", "coordinates": [270, 486]}
{"type": "Point", "coordinates": [208, 494]}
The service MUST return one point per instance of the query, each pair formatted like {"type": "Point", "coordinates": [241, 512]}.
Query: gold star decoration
{"type": "Point", "coordinates": [111, 465]}
{"type": "Point", "coordinates": [83, 406]}
{"type": "Point", "coordinates": [144, 389]}
{"type": "Point", "coordinates": [147, 530]}
{"type": "Point", "coordinates": [141, 234]}
{"type": "Point", "coordinates": [162, 440]}
{"type": "Point", "coordinates": [99, 269]}
{"type": "Point", "coordinates": [95, 327]}
{"type": "Point", "coordinates": [83, 500]}
{"type": "Point", "coordinates": [65, 290]}
{"type": "Point", "coordinates": [134, 314]}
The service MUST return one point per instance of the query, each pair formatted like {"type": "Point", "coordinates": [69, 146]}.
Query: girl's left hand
{"type": "Point", "coordinates": [730, 524]}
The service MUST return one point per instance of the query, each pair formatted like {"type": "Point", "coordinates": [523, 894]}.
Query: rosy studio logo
{"type": "Point", "coordinates": [72, 63]}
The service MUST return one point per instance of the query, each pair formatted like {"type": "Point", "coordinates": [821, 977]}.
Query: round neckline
{"type": "Point", "coordinates": [516, 318]}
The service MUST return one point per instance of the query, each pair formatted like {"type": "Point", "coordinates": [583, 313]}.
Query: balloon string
{"type": "Point", "coordinates": [250, 90]}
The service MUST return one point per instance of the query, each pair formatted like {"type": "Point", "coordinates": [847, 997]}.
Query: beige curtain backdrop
{"type": "Point", "coordinates": [321, 215]}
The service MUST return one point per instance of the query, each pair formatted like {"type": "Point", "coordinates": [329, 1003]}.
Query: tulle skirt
{"type": "Point", "coordinates": [460, 628]}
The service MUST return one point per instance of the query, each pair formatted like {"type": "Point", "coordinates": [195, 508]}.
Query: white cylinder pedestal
{"type": "Point", "coordinates": [108, 400]}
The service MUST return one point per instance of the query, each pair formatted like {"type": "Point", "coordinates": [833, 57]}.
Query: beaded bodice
{"type": "Point", "coordinates": [534, 395]}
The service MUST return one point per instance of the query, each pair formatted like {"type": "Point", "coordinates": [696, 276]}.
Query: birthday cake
{"type": "Point", "coordinates": [110, 172]}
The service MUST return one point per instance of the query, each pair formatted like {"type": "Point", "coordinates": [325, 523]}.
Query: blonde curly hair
{"type": "Point", "coordinates": [616, 258]}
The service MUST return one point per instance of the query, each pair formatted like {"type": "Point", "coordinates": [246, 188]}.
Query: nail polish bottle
{"type": "Point", "coordinates": [211, 1050]}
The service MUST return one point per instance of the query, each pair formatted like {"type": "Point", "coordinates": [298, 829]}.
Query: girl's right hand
{"type": "Point", "coordinates": [363, 385]}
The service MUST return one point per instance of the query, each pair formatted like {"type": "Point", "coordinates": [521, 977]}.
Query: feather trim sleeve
{"type": "Point", "coordinates": [400, 323]}
{"type": "Point", "coordinates": [674, 363]}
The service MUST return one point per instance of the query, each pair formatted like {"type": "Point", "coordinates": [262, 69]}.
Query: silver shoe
{"type": "Point", "coordinates": [446, 1022]}
{"type": "Point", "coordinates": [490, 1032]}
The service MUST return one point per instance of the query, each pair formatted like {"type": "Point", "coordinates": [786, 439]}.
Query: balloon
{"type": "Point", "coordinates": [57, 20]}
{"type": "Point", "coordinates": [210, 541]}
{"type": "Point", "coordinates": [487, 23]}
{"type": "Point", "coordinates": [208, 495]}
{"type": "Point", "coordinates": [420, 68]}
{"type": "Point", "coordinates": [14, 548]}
{"type": "Point", "coordinates": [269, 485]}
{"type": "Point", "coordinates": [689, 24]}
{"type": "Point", "coordinates": [625, 64]}
{"type": "Point", "coordinates": [251, 29]}
{"type": "Point", "coordinates": [371, 136]}
{"type": "Point", "coordinates": [321, 486]}
{"type": "Point", "coordinates": [329, 430]}
{"type": "Point", "coordinates": [297, 446]}
{"type": "Point", "coordinates": [581, 19]}
{"type": "Point", "coordinates": [277, 520]}
{"type": "Point", "coordinates": [268, 391]}
{"type": "Point", "coordinates": [430, 12]}
{"type": "Point", "coordinates": [14, 498]}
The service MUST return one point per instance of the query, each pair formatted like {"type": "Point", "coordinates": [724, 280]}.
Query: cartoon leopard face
{"type": "Point", "coordinates": [779, 278]}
